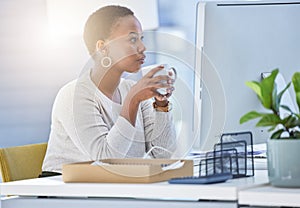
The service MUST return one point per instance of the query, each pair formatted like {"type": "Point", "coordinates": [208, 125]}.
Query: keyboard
{"type": "Point", "coordinates": [210, 179]}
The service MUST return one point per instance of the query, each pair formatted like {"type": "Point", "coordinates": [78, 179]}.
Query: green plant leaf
{"type": "Point", "coordinates": [277, 134]}
{"type": "Point", "coordinates": [298, 100]}
{"type": "Point", "coordinates": [275, 99]}
{"type": "Point", "coordinates": [285, 107]}
{"type": "Point", "coordinates": [297, 134]}
{"type": "Point", "coordinates": [296, 84]}
{"type": "Point", "coordinates": [279, 96]}
{"type": "Point", "coordinates": [249, 116]}
{"type": "Point", "coordinates": [269, 120]}
{"type": "Point", "coordinates": [296, 81]}
{"type": "Point", "coordinates": [272, 128]}
{"type": "Point", "coordinates": [298, 115]}
{"type": "Point", "coordinates": [255, 86]}
{"type": "Point", "coordinates": [291, 121]}
{"type": "Point", "coordinates": [267, 88]}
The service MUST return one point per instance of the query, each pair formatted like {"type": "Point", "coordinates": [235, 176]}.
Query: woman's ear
{"type": "Point", "coordinates": [100, 45]}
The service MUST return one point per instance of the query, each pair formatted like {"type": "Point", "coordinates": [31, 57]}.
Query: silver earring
{"type": "Point", "coordinates": [106, 61]}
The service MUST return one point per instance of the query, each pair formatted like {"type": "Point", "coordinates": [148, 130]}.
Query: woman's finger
{"type": "Point", "coordinates": [160, 97]}
{"type": "Point", "coordinates": [159, 85]}
{"type": "Point", "coordinates": [161, 78]}
{"type": "Point", "coordinates": [169, 92]}
{"type": "Point", "coordinates": [154, 70]}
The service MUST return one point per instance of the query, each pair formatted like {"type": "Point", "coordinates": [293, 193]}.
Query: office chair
{"type": "Point", "coordinates": [22, 162]}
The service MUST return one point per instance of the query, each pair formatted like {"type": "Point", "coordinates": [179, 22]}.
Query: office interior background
{"type": "Point", "coordinates": [35, 64]}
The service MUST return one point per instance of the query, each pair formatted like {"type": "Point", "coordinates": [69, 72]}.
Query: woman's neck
{"type": "Point", "coordinates": [107, 81]}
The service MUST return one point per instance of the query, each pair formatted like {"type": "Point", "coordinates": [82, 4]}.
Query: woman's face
{"type": "Point", "coordinates": [125, 46]}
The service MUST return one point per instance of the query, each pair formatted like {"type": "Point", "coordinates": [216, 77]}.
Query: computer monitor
{"type": "Point", "coordinates": [236, 42]}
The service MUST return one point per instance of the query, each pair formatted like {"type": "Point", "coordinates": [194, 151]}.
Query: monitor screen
{"type": "Point", "coordinates": [237, 42]}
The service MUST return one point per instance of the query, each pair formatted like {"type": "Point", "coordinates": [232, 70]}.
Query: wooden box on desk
{"type": "Point", "coordinates": [125, 171]}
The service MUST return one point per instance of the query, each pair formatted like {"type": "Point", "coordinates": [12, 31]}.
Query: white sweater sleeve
{"type": "Point", "coordinates": [159, 131]}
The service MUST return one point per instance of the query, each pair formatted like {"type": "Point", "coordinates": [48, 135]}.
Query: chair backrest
{"type": "Point", "coordinates": [22, 162]}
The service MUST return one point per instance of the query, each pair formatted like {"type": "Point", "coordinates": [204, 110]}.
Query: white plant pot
{"type": "Point", "coordinates": [284, 162]}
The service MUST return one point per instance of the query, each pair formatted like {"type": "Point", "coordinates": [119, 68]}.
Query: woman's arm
{"type": "Point", "coordinates": [159, 131]}
{"type": "Point", "coordinates": [87, 125]}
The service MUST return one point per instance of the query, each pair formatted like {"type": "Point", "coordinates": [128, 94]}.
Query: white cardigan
{"type": "Point", "coordinates": [86, 126]}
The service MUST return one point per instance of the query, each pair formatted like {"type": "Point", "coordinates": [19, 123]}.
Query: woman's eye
{"type": "Point", "coordinates": [133, 40]}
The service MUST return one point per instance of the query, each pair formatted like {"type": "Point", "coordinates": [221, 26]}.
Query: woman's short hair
{"type": "Point", "coordinates": [101, 23]}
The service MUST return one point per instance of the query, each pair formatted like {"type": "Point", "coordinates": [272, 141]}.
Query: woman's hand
{"type": "Point", "coordinates": [144, 89]}
{"type": "Point", "coordinates": [147, 87]}
{"type": "Point", "coordinates": [164, 98]}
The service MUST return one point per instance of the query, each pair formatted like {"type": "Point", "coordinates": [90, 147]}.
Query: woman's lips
{"type": "Point", "coordinates": [142, 59]}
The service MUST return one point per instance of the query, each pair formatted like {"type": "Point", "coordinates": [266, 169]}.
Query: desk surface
{"type": "Point", "coordinates": [54, 186]}
{"type": "Point", "coordinates": [267, 195]}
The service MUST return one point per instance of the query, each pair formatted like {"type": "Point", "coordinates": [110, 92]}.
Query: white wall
{"type": "Point", "coordinates": [33, 67]}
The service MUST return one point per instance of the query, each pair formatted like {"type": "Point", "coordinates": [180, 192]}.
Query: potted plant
{"type": "Point", "coordinates": [283, 146]}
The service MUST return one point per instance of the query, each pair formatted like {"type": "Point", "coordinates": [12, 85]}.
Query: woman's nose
{"type": "Point", "coordinates": [141, 47]}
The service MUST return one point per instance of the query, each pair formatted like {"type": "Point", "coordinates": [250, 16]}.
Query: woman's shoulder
{"type": "Point", "coordinates": [65, 95]}
{"type": "Point", "coordinates": [68, 88]}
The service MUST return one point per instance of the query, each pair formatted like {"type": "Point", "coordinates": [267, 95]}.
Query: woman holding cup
{"type": "Point", "coordinates": [100, 115]}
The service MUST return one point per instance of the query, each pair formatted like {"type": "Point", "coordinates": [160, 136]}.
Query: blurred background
{"type": "Point", "coordinates": [41, 49]}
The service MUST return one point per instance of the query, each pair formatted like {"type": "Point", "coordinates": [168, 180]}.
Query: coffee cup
{"type": "Point", "coordinates": [169, 71]}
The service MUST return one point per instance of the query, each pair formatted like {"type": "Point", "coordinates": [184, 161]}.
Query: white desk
{"type": "Point", "coordinates": [266, 195]}
{"type": "Point", "coordinates": [62, 194]}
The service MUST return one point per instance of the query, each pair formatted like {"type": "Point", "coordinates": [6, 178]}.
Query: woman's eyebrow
{"type": "Point", "coordinates": [135, 33]}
